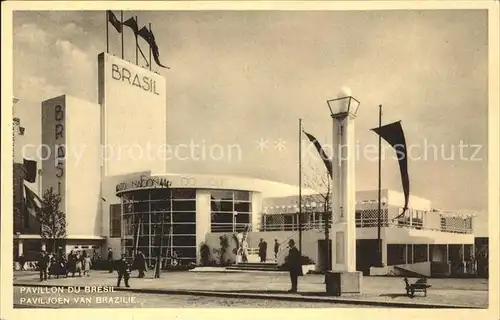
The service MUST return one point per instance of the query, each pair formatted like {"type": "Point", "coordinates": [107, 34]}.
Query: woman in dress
{"type": "Point", "coordinates": [87, 263]}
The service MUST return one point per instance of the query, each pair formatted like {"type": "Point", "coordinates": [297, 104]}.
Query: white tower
{"type": "Point", "coordinates": [343, 111]}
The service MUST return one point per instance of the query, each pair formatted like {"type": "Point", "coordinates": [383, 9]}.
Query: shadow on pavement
{"type": "Point", "coordinates": [395, 295]}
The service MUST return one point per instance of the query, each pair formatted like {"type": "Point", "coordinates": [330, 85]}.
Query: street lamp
{"type": "Point", "coordinates": [343, 111]}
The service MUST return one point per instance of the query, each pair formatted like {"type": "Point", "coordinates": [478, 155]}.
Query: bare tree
{"type": "Point", "coordinates": [318, 179]}
{"type": "Point", "coordinates": [52, 219]}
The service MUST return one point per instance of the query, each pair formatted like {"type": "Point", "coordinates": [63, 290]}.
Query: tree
{"type": "Point", "coordinates": [52, 219]}
{"type": "Point", "coordinates": [319, 180]}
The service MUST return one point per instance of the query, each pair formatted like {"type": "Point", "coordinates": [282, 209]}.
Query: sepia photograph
{"type": "Point", "coordinates": [251, 158]}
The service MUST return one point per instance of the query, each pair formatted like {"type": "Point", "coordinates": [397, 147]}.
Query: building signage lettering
{"type": "Point", "coordinates": [59, 132]}
{"type": "Point", "coordinates": [124, 74]}
{"type": "Point", "coordinates": [144, 182]}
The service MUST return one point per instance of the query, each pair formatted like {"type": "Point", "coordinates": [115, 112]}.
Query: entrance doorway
{"type": "Point", "coordinates": [366, 255]}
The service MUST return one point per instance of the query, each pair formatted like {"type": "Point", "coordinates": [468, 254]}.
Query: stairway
{"type": "Point", "coordinates": [255, 266]}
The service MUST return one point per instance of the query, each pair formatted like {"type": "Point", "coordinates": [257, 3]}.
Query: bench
{"type": "Point", "coordinates": [419, 286]}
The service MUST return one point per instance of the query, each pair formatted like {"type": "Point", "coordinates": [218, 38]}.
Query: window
{"type": "Point", "coordinates": [141, 206]}
{"type": "Point", "coordinates": [223, 195]}
{"type": "Point", "coordinates": [222, 217]}
{"type": "Point", "coordinates": [420, 253]}
{"type": "Point", "coordinates": [184, 241]}
{"type": "Point", "coordinates": [115, 221]}
{"type": "Point", "coordinates": [243, 218]}
{"type": "Point", "coordinates": [187, 194]}
{"type": "Point", "coordinates": [396, 254]}
{"type": "Point", "coordinates": [241, 196]}
{"type": "Point", "coordinates": [243, 207]}
{"type": "Point", "coordinates": [222, 206]}
{"type": "Point", "coordinates": [184, 229]}
{"type": "Point", "coordinates": [179, 205]}
{"type": "Point", "coordinates": [184, 217]}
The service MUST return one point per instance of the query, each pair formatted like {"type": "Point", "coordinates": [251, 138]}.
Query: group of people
{"type": "Point", "coordinates": [263, 250]}
{"type": "Point", "coordinates": [58, 265]}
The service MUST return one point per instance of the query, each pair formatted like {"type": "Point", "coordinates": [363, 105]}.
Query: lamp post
{"type": "Point", "coordinates": [343, 111]}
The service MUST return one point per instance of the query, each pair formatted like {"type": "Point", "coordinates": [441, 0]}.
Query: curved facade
{"type": "Point", "coordinates": [169, 218]}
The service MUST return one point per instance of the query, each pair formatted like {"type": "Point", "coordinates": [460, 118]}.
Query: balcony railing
{"type": "Point", "coordinates": [363, 223]}
{"type": "Point", "coordinates": [229, 227]}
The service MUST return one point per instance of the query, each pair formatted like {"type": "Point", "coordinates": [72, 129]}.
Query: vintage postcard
{"type": "Point", "coordinates": [331, 157]}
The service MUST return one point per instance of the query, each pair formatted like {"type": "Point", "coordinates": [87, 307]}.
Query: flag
{"type": "Point", "coordinates": [327, 161]}
{"type": "Point", "coordinates": [33, 201]}
{"type": "Point", "coordinates": [30, 169]}
{"type": "Point", "coordinates": [394, 135]}
{"type": "Point", "coordinates": [114, 21]}
{"type": "Point", "coordinates": [148, 35]}
{"type": "Point", "coordinates": [132, 24]}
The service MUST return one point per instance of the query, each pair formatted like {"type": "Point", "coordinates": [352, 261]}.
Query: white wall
{"type": "Point", "coordinates": [54, 175]}
{"type": "Point", "coordinates": [83, 165]}
{"type": "Point", "coordinates": [134, 116]}
{"type": "Point", "coordinates": [256, 198]}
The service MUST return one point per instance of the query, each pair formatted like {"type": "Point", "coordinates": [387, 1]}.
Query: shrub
{"type": "Point", "coordinates": [204, 254]}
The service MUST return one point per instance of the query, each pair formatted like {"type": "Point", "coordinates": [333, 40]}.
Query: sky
{"type": "Point", "coordinates": [239, 77]}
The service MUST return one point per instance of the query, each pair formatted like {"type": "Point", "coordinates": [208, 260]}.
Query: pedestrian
{"type": "Point", "coordinates": [110, 260]}
{"type": "Point", "coordinates": [294, 265]}
{"type": "Point", "coordinates": [22, 261]}
{"type": "Point", "coordinates": [244, 251]}
{"type": "Point", "coordinates": [78, 263]}
{"type": "Point", "coordinates": [140, 264]}
{"type": "Point", "coordinates": [276, 249]}
{"type": "Point", "coordinates": [123, 269]}
{"type": "Point", "coordinates": [71, 266]}
{"type": "Point", "coordinates": [43, 264]}
{"type": "Point", "coordinates": [262, 250]}
{"type": "Point", "coordinates": [87, 264]}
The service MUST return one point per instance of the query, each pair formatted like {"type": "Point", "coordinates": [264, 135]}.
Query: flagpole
{"type": "Point", "coordinates": [300, 186]}
{"type": "Point", "coordinates": [107, 32]}
{"type": "Point", "coordinates": [150, 50]}
{"type": "Point", "coordinates": [121, 14]}
{"type": "Point", "coordinates": [136, 45]}
{"type": "Point", "coordinates": [379, 244]}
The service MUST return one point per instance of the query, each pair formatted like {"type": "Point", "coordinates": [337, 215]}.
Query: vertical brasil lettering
{"type": "Point", "coordinates": [60, 151]}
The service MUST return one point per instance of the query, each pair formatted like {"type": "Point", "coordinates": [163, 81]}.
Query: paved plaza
{"type": "Point", "coordinates": [385, 290]}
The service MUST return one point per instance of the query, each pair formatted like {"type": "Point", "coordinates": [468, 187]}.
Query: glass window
{"type": "Point", "coordinates": [185, 241]}
{"type": "Point", "coordinates": [159, 194]}
{"type": "Point", "coordinates": [141, 206]}
{"type": "Point", "coordinates": [179, 205]}
{"type": "Point", "coordinates": [243, 207]}
{"type": "Point", "coordinates": [160, 205]}
{"type": "Point", "coordinates": [115, 221]}
{"type": "Point", "coordinates": [242, 196]}
{"type": "Point", "coordinates": [184, 216]}
{"type": "Point", "coordinates": [222, 206]}
{"type": "Point", "coordinates": [396, 254]}
{"type": "Point", "coordinates": [420, 253]}
{"type": "Point", "coordinates": [184, 228]}
{"type": "Point", "coordinates": [222, 217]}
{"type": "Point", "coordinates": [187, 194]}
{"type": "Point", "coordinates": [188, 253]}
{"type": "Point", "coordinates": [222, 195]}
{"type": "Point", "coordinates": [243, 218]}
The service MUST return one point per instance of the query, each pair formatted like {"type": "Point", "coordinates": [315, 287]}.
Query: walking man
{"type": "Point", "coordinates": [262, 250]}
{"type": "Point", "coordinates": [294, 265]}
{"type": "Point", "coordinates": [123, 269]}
{"type": "Point", "coordinates": [43, 264]}
{"type": "Point", "coordinates": [110, 260]}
